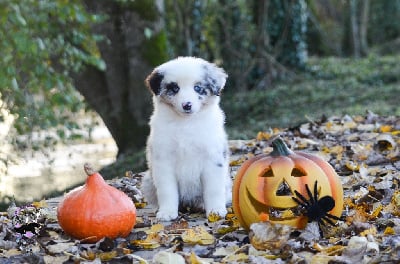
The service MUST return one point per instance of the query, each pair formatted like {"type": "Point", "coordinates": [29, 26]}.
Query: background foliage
{"type": "Point", "coordinates": [42, 43]}
{"type": "Point", "coordinates": [264, 45]}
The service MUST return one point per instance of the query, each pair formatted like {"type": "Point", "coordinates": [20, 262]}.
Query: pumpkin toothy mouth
{"type": "Point", "coordinates": [275, 213]}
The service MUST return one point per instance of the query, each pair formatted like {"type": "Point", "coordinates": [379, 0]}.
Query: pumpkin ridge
{"type": "Point", "coordinates": [237, 184]}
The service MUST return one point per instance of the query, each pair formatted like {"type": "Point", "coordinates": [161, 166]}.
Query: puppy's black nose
{"type": "Point", "coordinates": [187, 106]}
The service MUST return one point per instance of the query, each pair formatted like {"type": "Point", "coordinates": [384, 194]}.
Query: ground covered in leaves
{"type": "Point", "coordinates": [365, 152]}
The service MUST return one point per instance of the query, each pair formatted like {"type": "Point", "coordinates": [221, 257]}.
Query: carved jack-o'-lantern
{"type": "Point", "coordinates": [265, 185]}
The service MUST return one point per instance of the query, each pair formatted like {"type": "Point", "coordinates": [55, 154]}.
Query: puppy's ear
{"type": "Point", "coordinates": [215, 78]}
{"type": "Point", "coordinates": [153, 82]}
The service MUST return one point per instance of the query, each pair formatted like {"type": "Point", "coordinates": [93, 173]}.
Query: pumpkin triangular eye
{"type": "Point", "coordinates": [283, 189]}
{"type": "Point", "coordinates": [298, 172]}
{"type": "Point", "coordinates": [267, 173]}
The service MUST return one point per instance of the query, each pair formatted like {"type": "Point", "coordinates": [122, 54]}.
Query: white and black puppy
{"type": "Point", "coordinates": [187, 149]}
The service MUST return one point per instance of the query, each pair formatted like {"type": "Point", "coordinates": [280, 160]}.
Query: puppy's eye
{"type": "Point", "coordinates": [200, 90]}
{"type": "Point", "coordinates": [172, 88]}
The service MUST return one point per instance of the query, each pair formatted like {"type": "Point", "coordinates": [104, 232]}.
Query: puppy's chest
{"type": "Point", "coordinates": [192, 138]}
{"type": "Point", "coordinates": [194, 141]}
{"type": "Point", "coordinates": [191, 151]}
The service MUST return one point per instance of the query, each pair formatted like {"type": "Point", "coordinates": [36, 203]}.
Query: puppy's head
{"type": "Point", "coordinates": [187, 84]}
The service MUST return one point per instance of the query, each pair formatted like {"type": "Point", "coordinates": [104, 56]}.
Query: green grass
{"type": "Point", "coordinates": [331, 86]}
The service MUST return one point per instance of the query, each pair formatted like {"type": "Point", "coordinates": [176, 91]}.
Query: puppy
{"type": "Point", "coordinates": [187, 149]}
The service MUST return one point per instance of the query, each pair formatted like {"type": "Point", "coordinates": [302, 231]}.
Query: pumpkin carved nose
{"type": "Point", "coordinates": [284, 189]}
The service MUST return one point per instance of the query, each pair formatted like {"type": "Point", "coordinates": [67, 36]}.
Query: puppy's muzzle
{"type": "Point", "coordinates": [187, 107]}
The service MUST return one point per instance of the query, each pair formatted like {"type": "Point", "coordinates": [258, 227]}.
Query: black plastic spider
{"type": "Point", "coordinates": [316, 209]}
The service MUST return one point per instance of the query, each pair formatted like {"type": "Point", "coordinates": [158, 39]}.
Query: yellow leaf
{"type": "Point", "coordinates": [263, 136]}
{"type": "Point", "coordinates": [153, 238]}
{"type": "Point", "coordinates": [126, 251]}
{"type": "Point", "coordinates": [389, 231]}
{"type": "Point", "coordinates": [238, 161]}
{"type": "Point", "coordinates": [226, 229]}
{"type": "Point", "coordinates": [151, 241]}
{"type": "Point", "coordinates": [89, 255]}
{"type": "Point", "coordinates": [337, 149]}
{"type": "Point", "coordinates": [396, 133]}
{"type": "Point", "coordinates": [385, 128]}
{"type": "Point", "coordinates": [213, 217]}
{"type": "Point", "coordinates": [140, 205]}
{"type": "Point", "coordinates": [352, 166]}
{"type": "Point", "coordinates": [276, 130]}
{"type": "Point", "coordinates": [376, 212]}
{"type": "Point", "coordinates": [107, 256]}
{"type": "Point", "coordinates": [370, 231]}
{"type": "Point", "coordinates": [334, 250]}
{"type": "Point", "coordinates": [148, 245]}
{"type": "Point", "coordinates": [230, 216]}
{"type": "Point", "coordinates": [156, 228]}
{"type": "Point", "coordinates": [197, 235]}
{"type": "Point", "coordinates": [194, 259]}
{"type": "Point", "coordinates": [396, 199]}
{"type": "Point", "coordinates": [40, 204]}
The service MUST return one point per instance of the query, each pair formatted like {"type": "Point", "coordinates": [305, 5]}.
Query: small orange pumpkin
{"type": "Point", "coordinates": [96, 210]}
{"type": "Point", "coordinates": [265, 184]}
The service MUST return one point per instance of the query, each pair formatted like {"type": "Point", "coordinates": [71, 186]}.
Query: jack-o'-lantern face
{"type": "Point", "coordinates": [265, 185]}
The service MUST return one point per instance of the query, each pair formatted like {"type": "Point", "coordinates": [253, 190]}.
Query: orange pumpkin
{"type": "Point", "coordinates": [265, 184]}
{"type": "Point", "coordinates": [96, 210]}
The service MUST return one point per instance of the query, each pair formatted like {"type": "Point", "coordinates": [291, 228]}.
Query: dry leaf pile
{"type": "Point", "coordinates": [365, 152]}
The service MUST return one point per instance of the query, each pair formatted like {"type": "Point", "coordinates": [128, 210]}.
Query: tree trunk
{"type": "Point", "coordinates": [130, 51]}
{"type": "Point", "coordinates": [364, 27]}
{"type": "Point", "coordinates": [355, 33]}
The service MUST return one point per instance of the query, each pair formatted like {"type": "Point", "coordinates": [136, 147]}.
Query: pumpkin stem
{"type": "Point", "coordinates": [89, 169]}
{"type": "Point", "coordinates": [280, 148]}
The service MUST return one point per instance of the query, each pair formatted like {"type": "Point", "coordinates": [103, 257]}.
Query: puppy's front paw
{"type": "Point", "coordinates": [166, 215]}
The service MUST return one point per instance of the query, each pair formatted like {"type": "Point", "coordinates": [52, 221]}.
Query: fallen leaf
{"type": "Point", "coordinates": [59, 247]}
{"type": "Point", "coordinates": [311, 232]}
{"type": "Point", "coordinates": [213, 217]}
{"type": "Point", "coordinates": [165, 257]}
{"type": "Point", "coordinates": [385, 128]}
{"type": "Point", "coordinates": [236, 258]}
{"type": "Point", "coordinates": [265, 235]}
{"type": "Point", "coordinates": [198, 235]}
{"type": "Point", "coordinates": [40, 204]}
{"type": "Point", "coordinates": [107, 256]}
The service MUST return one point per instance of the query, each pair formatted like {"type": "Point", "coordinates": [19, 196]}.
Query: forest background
{"type": "Point", "coordinates": [288, 61]}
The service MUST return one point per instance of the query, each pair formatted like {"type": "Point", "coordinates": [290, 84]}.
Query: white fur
{"type": "Point", "coordinates": [187, 149]}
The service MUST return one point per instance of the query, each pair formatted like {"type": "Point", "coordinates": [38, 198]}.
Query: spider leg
{"type": "Point", "coordinates": [315, 197]}
{"type": "Point", "coordinates": [299, 202]}
{"type": "Point", "coordinates": [326, 219]}
{"type": "Point", "coordinates": [310, 195]}
{"type": "Point", "coordinates": [303, 201]}
{"type": "Point", "coordinates": [333, 217]}
{"type": "Point", "coordinates": [320, 223]}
